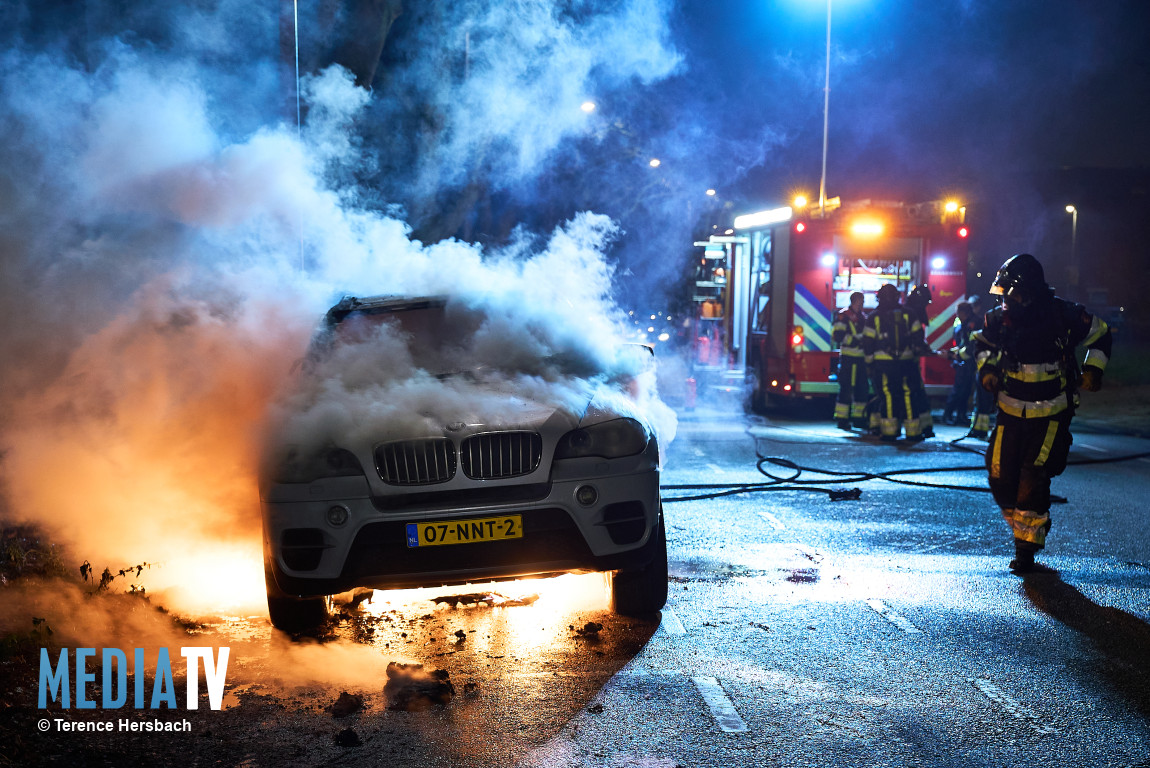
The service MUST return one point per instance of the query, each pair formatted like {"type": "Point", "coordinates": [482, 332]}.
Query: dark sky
{"type": "Point", "coordinates": [953, 89]}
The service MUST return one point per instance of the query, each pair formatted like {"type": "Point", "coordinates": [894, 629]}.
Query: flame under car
{"type": "Point", "coordinates": [478, 478]}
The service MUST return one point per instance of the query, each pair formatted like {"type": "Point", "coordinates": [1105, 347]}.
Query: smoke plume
{"type": "Point", "coordinates": [165, 257]}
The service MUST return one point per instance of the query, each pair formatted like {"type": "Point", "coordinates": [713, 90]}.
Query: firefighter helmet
{"type": "Point", "coordinates": [887, 294]}
{"type": "Point", "coordinates": [1020, 277]}
{"type": "Point", "coordinates": [920, 296]}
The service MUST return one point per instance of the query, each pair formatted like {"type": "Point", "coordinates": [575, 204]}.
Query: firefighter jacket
{"type": "Point", "coordinates": [892, 332]}
{"type": "Point", "coordinates": [847, 332]}
{"type": "Point", "coordinates": [1031, 355]}
{"type": "Point", "coordinates": [963, 336]}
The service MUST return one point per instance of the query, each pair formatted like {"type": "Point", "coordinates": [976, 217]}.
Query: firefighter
{"type": "Point", "coordinates": [1025, 355]}
{"type": "Point", "coordinates": [854, 385]}
{"type": "Point", "coordinates": [916, 302]}
{"type": "Point", "coordinates": [889, 338]}
{"type": "Point", "coordinates": [968, 321]}
{"type": "Point", "coordinates": [962, 360]}
{"type": "Point", "coordinates": [983, 400]}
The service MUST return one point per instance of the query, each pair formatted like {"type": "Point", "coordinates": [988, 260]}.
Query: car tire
{"type": "Point", "coordinates": [295, 614]}
{"type": "Point", "coordinates": [642, 591]}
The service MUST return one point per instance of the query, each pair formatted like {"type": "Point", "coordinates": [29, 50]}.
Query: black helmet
{"type": "Point", "coordinates": [887, 294]}
{"type": "Point", "coordinates": [1020, 277]}
{"type": "Point", "coordinates": [920, 296]}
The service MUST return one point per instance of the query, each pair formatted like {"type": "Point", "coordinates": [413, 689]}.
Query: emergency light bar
{"type": "Point", "coordinates": [763, 218]}
{"type": "Point", "coordinates": [867, 228]}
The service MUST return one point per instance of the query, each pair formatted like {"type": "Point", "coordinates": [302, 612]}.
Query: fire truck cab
{"type": "Point", "coordinates": [767, 289]}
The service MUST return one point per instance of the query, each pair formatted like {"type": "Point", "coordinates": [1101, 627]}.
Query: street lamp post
{"type": "Point", "coordinates": [826, 112]}
{"type": "Point", "coordinates": [1073, 245]}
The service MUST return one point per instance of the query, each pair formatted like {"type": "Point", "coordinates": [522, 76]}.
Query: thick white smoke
{"type": "Point", "coordinates": [163, 277]}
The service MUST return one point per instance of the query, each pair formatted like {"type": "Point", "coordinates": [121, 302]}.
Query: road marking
{"type": "Point", "coordinates": [670, 623]}
{"type": "Point", "coordinates": [881, 608]}
{"type": "Point", "coordinates": [1091, 447]}
{"type": "Point", "coordinates": [716, 469]}
{"type": "Point", "coordinates": [724, 712]}
{"type": "Point", "coordinates": [1013, 708]}
{"type": "Point", "coordinates": [773, 521]}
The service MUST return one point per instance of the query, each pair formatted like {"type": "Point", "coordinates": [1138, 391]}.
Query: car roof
{"type": "Point", "coordinates": [379, 304]}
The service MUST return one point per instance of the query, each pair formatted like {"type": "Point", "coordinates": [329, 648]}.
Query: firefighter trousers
{"type": "Point", "coordinates": [919, 400]}
{"type": "Point", "coordinates": [854, 389]}
{"type": "Point", "coordinates": [892, 400]}
{"type": "Point", "coordinates": [1022, 457]}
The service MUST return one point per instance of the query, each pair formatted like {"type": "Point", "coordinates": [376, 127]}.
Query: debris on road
{"type": "Point", "coordinates": [347, 738]}
{"type": "Point", "coordinates": [489, 599]}
{"type": "Point", "coordinates": [346, 704]}
{"type": "Point", "coordinates": [412, 689]}
{"type": "Point", "coordinates": [590, 630]}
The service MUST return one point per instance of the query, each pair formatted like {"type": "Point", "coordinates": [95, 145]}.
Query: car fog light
{"type": "Point", "coordinates": [337, 515]}
{"type": "Point", "coordinates": [586, 495]}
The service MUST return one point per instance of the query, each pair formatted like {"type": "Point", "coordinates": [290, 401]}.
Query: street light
{"type": "Point", "coordinates": [826, 111]}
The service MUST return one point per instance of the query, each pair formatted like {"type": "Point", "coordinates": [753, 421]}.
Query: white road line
{"type": "Point", "coordinates": [773, 521]}
{"type": "Point", "coordinates": [1091, 447]}
{"type": "Point", "coordinates": [881, 608]}
{"type": "Point", "coordinates": [724, 712]}
{"type": "Point", "coordinates": [716, 469]}
{"type": "Point", "coordinates": [1013, 708]}
{"type": "Point", "coordinates": [670, 623]}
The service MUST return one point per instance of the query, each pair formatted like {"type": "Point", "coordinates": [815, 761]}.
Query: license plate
{"type": "Point", "coordinates": [472, 531]}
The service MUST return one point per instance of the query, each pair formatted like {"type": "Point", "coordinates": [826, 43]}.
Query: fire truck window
{"type": "Point", "coordinates": [761, 279]}
{"type": "Point", "coordinates": [869, 274]}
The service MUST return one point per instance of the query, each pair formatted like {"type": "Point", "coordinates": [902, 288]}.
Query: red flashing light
{"type": "Point", "coordinates": [787, 388]}
{"type": "Point", "coordinates": [963, 231]}
{"type": "Point", "coordinates": [800, 227]}
{"type": "Point", "coordinates": [797, 339]}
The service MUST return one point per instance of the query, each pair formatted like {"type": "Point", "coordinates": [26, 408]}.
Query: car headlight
{"type": "Point", "coordinates": [609, 440]}
{"type": "Point", "coordinates": [304, 467]}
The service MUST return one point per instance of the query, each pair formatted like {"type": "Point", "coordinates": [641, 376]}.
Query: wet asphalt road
{"type": "Point", "coordinates": [878, 631]}
{"type": "Point", "coordinates": [882, 630]}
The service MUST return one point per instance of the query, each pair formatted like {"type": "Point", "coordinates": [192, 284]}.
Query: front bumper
{"type": "Point", "coordinates": [306, 555]}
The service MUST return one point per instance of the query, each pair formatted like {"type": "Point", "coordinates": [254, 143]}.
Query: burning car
{"type": "Point", "coordinates": [423, 446]}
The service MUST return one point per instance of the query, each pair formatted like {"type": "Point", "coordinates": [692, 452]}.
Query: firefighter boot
{"type": "Point", "coordinates": [844, 424]}
{"type": "Point", "coordinates": [1023, 561]}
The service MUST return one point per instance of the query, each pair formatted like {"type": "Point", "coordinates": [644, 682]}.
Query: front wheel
{"type": "Point", "coordinates": [295, 614]}
{"type": "Point", "coordinates": [642, 591]}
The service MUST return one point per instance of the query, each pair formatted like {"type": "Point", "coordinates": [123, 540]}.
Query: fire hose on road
{"type": "Point", "coordinates": [793, 481]}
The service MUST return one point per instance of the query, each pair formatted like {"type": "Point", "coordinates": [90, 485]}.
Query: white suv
{"type": "Point", "coordinates": [477, 477]}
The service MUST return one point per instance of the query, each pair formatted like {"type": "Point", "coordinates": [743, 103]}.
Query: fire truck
{"type": "Point", "coordinates": [766, 291]}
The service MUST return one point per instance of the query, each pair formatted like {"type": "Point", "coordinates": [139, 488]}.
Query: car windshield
{"type": "Point", "coordinates": [436, 336]}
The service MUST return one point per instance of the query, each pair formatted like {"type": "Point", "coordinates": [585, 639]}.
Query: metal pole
{"type": "Point", "coordinates": [1073, 271]}
{"type": "Point", "coordinates": [826, 110]}
{"type": "Point", "coordinates": [1074, 237]}
{"type": "Point", "coordinates": [298, 115]}
{"type": "Point", "coordinates": [1074, 249]}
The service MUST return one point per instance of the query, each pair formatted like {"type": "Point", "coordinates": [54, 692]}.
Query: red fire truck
{"type": "Point", "coordinates": [766, 291]}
